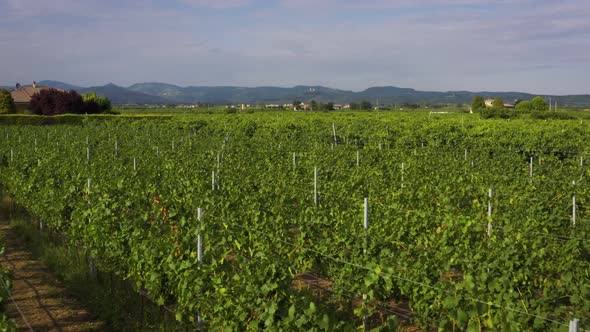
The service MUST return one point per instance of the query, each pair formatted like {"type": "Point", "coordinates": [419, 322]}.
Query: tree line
{"type": "Point", "coordinates": [536, 104]}
{"type": "Point", "coordinates": [54, 102]}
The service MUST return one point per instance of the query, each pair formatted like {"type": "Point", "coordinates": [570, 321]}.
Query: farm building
{"type": "Point", "coordinates": [22, 95]}
{"type": "Point", "coordinates": [490, 103]}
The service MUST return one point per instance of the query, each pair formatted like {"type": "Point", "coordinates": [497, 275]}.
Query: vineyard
{"type": "Point", "coordinates": [324, 221]}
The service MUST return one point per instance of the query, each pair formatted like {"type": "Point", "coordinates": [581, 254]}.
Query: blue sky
{"type": "Point", "coordinates": [535, 46]}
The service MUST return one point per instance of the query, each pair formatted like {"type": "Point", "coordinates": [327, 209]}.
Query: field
{"type": "Point", "coordinates": [324, 221]}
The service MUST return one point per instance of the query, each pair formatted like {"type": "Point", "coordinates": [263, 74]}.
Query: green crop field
{"type": "Point", "coordinates": [324, 221]}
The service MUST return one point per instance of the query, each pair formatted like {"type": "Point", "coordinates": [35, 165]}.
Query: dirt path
{"type": "Point", "coordinates": [42, 299]}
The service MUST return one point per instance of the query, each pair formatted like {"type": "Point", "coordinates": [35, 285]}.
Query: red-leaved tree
{"type": "Point", "coordinates": [54, 102]}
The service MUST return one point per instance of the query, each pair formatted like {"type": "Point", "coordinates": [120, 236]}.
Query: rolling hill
{"type": "Point", "coordinates": [162, 93]}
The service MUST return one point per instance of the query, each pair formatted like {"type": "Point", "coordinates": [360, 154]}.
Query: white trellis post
{"type": "Point", "coordinates": [334, 131]}
{"type": "Point", "coordinates": [213, 180]}
{"type": "Point", "coordinates": [574, 325]}
{"type": "Point", "coordinates": [294, 160]}
{"type": "Point", "coordinates": [366, 227]}
{"type": "Point", "coordinates": [358, 158]}
{"type": "Point", "coordinates": [134, 165]}
{"type": "Point", "coordinates": [531, 167]}
{"type": "Point", "coordinates": [574, 205]}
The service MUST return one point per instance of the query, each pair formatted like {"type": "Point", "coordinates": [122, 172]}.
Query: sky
{"type": "Point", "coordinates": [537, 46]}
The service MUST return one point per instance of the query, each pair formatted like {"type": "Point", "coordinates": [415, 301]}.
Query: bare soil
{"type": "Point", "coordinates": [44, 302]}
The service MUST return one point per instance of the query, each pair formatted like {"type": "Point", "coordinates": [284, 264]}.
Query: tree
{"type": "Point", "coordinates": [478, 103]}
{"type": "Point", "coordinates": [103, 103]}
{"type": "Point", "coordinates": [6, 103]}
{"type": "Point", "coordinates": [296, 104]}
{"type": "Point", "coordinates": [354, 106]}
{"type": "Point", "coordinates": [329, 106]}
{"type": "Point", "coordinates": [524, 106]}
{"type": "Point", "coordinates": [313, 104]}
{"type": "Point", "coordinates": [365, 105]}
{"type": "Point", "coordinates": [539, 104]}
{"type": "Point", "coordinates": [53, 102]}
{"type": "Point", "coordinates": [498, 103]}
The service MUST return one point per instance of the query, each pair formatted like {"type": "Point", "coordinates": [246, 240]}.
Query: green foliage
{"type": "Point", "coordinates": [427, 244]}
{"type": "Point", "coordinates": [103, 102]}
{"type": "Point", "coordinates": [478, 104]}
{"type": "Point", "coordinates": [524, 106]}
{"type": "Point", "coordinates": [365, 105]}
{"type": "Point", "coordinates": [493, 113]}
{"type": "Point", "coordinates": [6, 324]}
{"type": "Point", "coordinates": [551, 115]}
{"type": "Point", "coordinates": [6, 103]}
{"type": "Point", "coordinates": [313, 104]}
{"type": "Point", "coordinates": [539, 104]}
{"type": "Point", "coordinates": [498, 103]}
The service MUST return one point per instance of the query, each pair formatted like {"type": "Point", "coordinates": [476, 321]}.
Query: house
{"type": "Point", "coordinates": [490, 103]}
{"type": "Point", "coordinates": [22, 95]}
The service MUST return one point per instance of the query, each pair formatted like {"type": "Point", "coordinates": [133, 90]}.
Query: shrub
{"type": "Point", "coordinates": [54, 102]}
{"type": "Point", "coordinates": [6, 103]}
{"type": "Point", "coordinates": [102, 103]}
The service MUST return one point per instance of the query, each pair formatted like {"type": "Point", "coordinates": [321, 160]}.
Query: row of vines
{"type": "Point", "coordinates": [431, 256]}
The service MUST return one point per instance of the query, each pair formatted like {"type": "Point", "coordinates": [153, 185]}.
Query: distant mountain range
{"type": "Point", "coordinates": [161, 93]}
